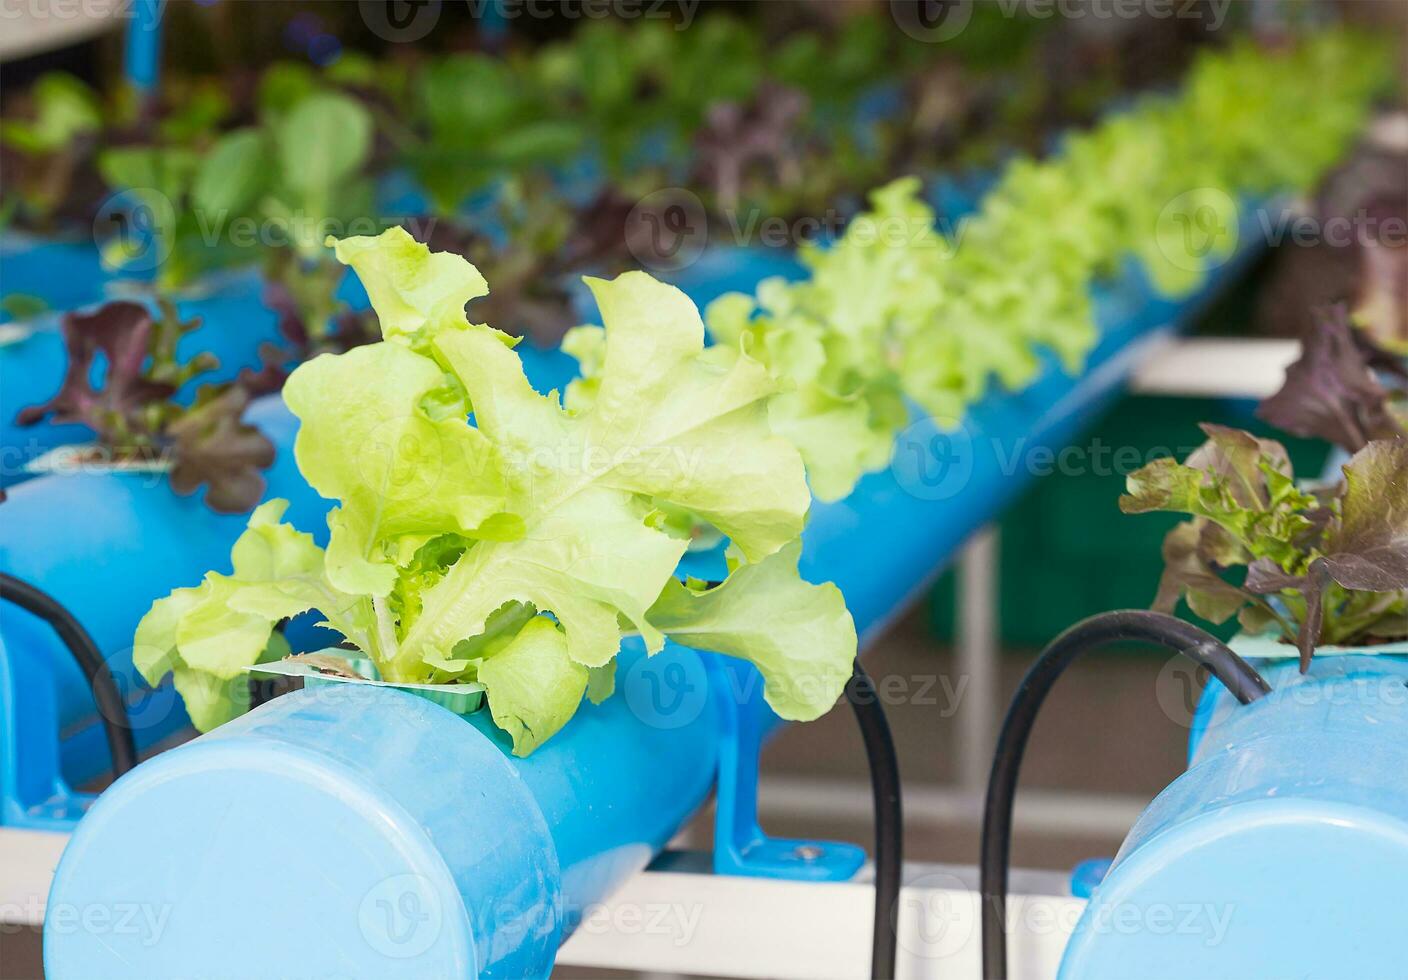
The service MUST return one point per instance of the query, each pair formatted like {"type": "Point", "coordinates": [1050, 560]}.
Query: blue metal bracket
{"type": "Point", "coordinates": [1086, 876]}
{"type": "Point", "coordinates": [33, 792]}
{"type": "Point", "coordinates": [740, 846]}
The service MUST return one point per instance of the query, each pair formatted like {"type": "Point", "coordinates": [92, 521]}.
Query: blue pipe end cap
{"type": "Point", "coordinates": [332, 832]}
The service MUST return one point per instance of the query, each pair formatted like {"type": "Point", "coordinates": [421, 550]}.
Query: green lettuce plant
{"type": "Point", "coordinates": [518, 551]}
{"type": "Point", "coordinates": [481, 122]}
{"type": "Point", "coordinates": [1317, 563]}
{"type": "Point", "coordinates": [265, 193]}
{"type": "Point", "coordinates": [898, 312]}
{"type": "Point", "coordinates": [47, 150]}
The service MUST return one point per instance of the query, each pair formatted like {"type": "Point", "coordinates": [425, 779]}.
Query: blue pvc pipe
{"type": "Point", "coordinates": [234, 323]}
{"type": "Point", "coordinates": [142, 56]}
{"type": "Point", "coordinates": [61, 275]}
{"type": "Point", "coordinates": [371, 833]}
{"type": "Point", "coordinates": [1282, 851]}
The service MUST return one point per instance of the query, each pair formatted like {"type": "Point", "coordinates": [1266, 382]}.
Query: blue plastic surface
{"type": "Point", "coordinates": [142, 60]}
{"type": "Point", "coordinates": [339, 855]}
{"type": "Point", "coordinates": [106, 545]}
{"type": "Point", "coordinates": [740, 846]}
{"type": "Point", "coordinates": [234, 323]}
{"type": "Point", "coordinates": [64, 275]}
{"type": "Point", "coordinates": [1282, 851]}
{"type": "Point", "coordinates": [1086, 876]}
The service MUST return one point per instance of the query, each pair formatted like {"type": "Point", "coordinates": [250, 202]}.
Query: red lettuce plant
{"type": "Point", "coordinates": [1323, 563]}
{"type": "Point", "coordinates": [132, 412]}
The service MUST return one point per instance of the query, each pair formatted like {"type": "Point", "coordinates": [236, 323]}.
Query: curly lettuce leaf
{"type": "Point", "coordinates": [533, 685]}
{"type": "Point", "coordinates": [486, 533]}
{"type": "Point", "coordinates": [667, 423]}
{"type": "Point", "coordinates": [208, 636]}
{"type": "Point", "coordinates": [399, 456]}
{"type": "Point", "coordinates": [800, 636]}
{"type": "Point", "coordinates": [410, 287]}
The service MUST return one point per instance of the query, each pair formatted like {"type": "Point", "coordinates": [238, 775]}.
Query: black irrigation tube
{"type": "Point", "coordinates": [112, 709]}
{"type": "Point", "coordinates": [1139, 626]}
{"type": "Point", "coordinates": [889, 819]}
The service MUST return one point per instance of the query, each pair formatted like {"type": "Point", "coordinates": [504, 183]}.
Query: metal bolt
{"type": "Point", "coordinates": [807, 852]}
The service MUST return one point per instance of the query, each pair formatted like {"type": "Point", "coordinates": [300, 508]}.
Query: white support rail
{"type": "Point", "coordinates": [1212, 367]}
{"type": "Point", "coordinates": [28, 27]}
{"type": "Point", "coordinates": [682, 921]}
{"type": "Point", "coordinates": [671, 922]}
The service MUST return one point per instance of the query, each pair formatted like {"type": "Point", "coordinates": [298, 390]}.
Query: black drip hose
{"type": "Point", "coordinates": [112, 709]}
{"type": "Point", "coordinates": [889, 820]}
{"type": "Point", "coordinates": [1140, 626]}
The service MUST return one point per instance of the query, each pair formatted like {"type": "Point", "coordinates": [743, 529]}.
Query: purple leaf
{"type": "Point", "coordinates": [1369, 548]}
{"type": "Point", "coordinates": [737, 138]}
{"type": "Point", "coordinates": [214, 448]}
{"type": "Point", "coordinates": [123, 332]}
{"type": "Point", "coordinates": [1265, 577]}
{"type": "Point", "coordinates": [1332, 392]}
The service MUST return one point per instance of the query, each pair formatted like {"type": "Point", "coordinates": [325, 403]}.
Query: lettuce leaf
{"type": "Point", "coordinates": [798, 635]}
{"type": "Point", "coordinates": [486, 533]}
{"type": "Point", "coordinates": [1322, 566]}
{"type": "Point", "coordinates": [667, 423]}
{"type": "Point", "coordinates": [209, 635]}
{"type": "Point", "coordinates": [898, 312]}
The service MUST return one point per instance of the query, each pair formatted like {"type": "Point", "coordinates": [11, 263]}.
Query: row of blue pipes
{"type": "Point", "coordinates": [384, 805]}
